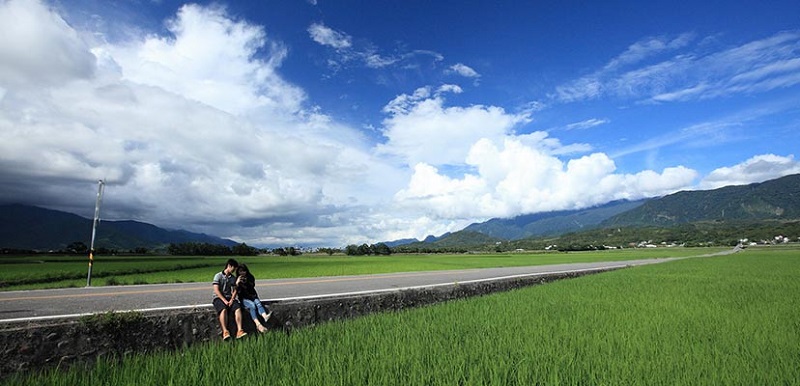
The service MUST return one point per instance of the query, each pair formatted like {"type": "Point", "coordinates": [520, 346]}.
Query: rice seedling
{"type": "Point", "coordinates": [722, 320]}
{"type": "Point", "coordinates": [64, 271]}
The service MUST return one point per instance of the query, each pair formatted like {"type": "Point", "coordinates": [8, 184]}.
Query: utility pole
{"type": "Point", "coordinates": [100, 185]}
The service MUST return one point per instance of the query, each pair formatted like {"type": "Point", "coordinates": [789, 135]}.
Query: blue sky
{"type": "Point", "coordinates": [321, 123]}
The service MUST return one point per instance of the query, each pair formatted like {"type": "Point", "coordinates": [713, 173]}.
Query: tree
{"type": "Point", "coordinates": [364, 249]}
{"type": "Point", "coordinates": [77, 247]}
{"type": "Point", "coordinates": [244, 250]}
{"type": "Point", "coordinates": [351, 250]}
{"type": "Point", "coordinates": [381, 249]}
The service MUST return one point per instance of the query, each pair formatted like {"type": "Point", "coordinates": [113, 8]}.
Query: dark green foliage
{"type": "Point", "coordinates": [551, 223]}
{"type": "Point", "coordinates": [198, 249]}
{"type": "Point", "coordinates": [288, 251]}
{"type": "Point", "coordinates": [330, 251]}
{"type": "Point", "coordinates": [244, 250]}
{"type": "Point", "coordinates": [690, 235]}
{"type": "Point", "coordinates": [111, 321]}
{"type": "Point", "coordinates": [458, 242]}
{"type": "Point", "coordinates": [207, 249]}
{"type": "Point", "coordinates": [367, 250]}
{"type": "Point", "coordinates": [77, 247]}
{"type": "Point", "coordinates": [777, 199]}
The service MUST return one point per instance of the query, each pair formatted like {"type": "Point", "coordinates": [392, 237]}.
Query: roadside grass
{"type": "Point", "coordinates": [36, 272]}
{"type": "Point", "coordinates": [731, 320]}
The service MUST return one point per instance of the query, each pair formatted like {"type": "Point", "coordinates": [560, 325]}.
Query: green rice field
{"type": "Point", "coordinates": [42, 271]}
{"type": "Point", "coordinates": [725, 320]}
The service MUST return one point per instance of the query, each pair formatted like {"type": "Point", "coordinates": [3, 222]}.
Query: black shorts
{"type": "Point", "coordinates": [219, 306]}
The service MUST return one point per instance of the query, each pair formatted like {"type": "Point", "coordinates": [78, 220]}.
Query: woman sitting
{"type": "Point", "coordinates": [246, 291]}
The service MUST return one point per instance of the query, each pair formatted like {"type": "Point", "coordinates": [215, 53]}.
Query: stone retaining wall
{"type": "Point", "coordinates": [40, 345]}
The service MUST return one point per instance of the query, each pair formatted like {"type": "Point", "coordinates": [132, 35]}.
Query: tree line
{"type": "Point", "coordinates": [208, 249]}
{"type": "Point", "coordinates": [368, 249]}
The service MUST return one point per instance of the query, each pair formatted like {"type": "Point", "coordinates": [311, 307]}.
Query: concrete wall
{"type": "Point", "coordinates": [33, 346]}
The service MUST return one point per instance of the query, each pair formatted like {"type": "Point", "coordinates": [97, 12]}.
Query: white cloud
{"type": "Point", "coordinates": [759, 168]}
{"type": "Point", "coordinates": [329, 37]}
{"type": "Point", "coordinates": [206, 137]}
{"type": "Point", "coordinates": [516, 178]}
{"type": "Point", "coordinates": [421, 129]}
{"type": "Point", "coordinates": [587, 124]}
{"type": "Point", "coordinates": [753, 67]}
{"type": "Point", "coordinates": [723, 130]}
{"type": "Point", "coordinates": [453, 88]}
{"type": "Point", "coordinates": [648, 47]}
{"type": "Point", "coordinates": [190, 62]}
{"type": "Point", "coordinates": [347, 54]}
{"type": "Point", "coordinates": [507, 174]}
{"type": "Point", "coordinates": [39, 47]}
{"type": "Point", "coordinates": [377, 61]}
{"type": "Point", "coordinates": [194, 127]}
{"type": "Point", "coordinates": [464, 70]}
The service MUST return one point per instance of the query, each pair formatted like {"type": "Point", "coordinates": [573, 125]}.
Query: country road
{"type": "Point", "coordinates": [16, 306]}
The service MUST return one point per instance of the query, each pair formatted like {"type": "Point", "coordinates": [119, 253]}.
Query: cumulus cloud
{"type": "Point", "coordinates": [39, 47]}
{"type": "Point", "coordinates": [515, 178]}
{"type": "Point", "coordinates": [759, 168]}
{"type": "Point", "coordinates": [194, 127]}
{"type": "Point", "coordinates": [188, 62]}
{"type": "Point", "coordinates": [420, 128]}
{"type": "Point", "coordinates": [181, 143]}
{"type": "Point", "coordinates": [507, 174]}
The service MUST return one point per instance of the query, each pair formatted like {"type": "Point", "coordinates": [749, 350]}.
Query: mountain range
{"type": "Point", "coordinates": [26, 227]}
{"type": "Point", "coordinates": [33, 228]}
{"type": "Point", "coordinates": [777, 199]}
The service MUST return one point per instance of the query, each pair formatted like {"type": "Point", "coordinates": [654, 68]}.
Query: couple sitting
{"type": "Point", "coordinates": [230, 290]}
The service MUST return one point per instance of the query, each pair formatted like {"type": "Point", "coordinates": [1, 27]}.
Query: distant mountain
{"type": "Point", "coordinates": [777, 199]}
{"type": "Point", "coordinates": [759, 205]}
{"type": "Point", "coordinates": [34, 228]}
{"type": "Point", "coordinates": [551, 223]}
{"type": "Point", "coordinates": [461, 238]}
{"type": "Point", "coordinates": [392, 244]}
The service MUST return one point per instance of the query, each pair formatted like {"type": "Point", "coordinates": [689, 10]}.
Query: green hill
{"type": "Point", "coordinates": [777, 199]}
{"type": "Point", "coordinates": [721, 216]}
{"type": "Point", "coordinates": [452, 241]}
{"type": "Point", "coordinates": [551, 223]}
{"type": "Point", "coordinates": [32, 228]}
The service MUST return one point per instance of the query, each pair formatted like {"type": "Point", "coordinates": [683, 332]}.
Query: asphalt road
{"type": "Point", "coordinates": [33, 305]}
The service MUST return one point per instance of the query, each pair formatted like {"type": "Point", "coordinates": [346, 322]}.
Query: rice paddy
{"type": "Point", "coordinates": [714, 320]}
{"type": "Point", "coordinates": [43, 271]}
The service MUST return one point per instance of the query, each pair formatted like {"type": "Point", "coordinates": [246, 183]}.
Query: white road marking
{"type": "Point", "coordinates": [323, 296]}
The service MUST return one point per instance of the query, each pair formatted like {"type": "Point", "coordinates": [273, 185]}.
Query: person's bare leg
{"type": "Point", "coordinates": [260, 327]}
{"type": "Point", "coordinates": [238, 316]}
{"type": "Point", "coordinates": [223, 322]}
